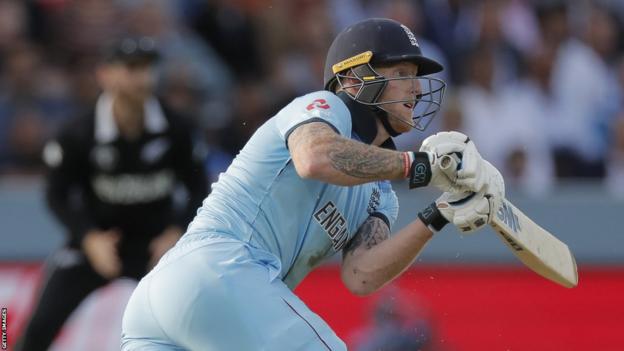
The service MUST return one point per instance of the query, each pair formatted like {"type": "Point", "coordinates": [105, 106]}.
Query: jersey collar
{"type": "Point", "coordinates": [364, 121]}
{"type": "Point", "coordinates": [106, 129]}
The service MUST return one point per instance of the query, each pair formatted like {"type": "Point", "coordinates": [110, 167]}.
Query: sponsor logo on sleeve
{"type": "Point", "coordinates": [318, 103]}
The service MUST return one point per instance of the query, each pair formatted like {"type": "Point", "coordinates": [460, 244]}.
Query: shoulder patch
{"type": "Point", "coordinates": [53, 154]}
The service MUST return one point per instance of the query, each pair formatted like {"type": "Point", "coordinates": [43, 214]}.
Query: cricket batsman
{"type": "Point", "coordinates": [312, 181]}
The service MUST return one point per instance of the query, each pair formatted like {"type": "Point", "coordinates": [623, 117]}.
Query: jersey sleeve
{"type": "Point", "coordinates": [189, 157]}
{"type": "Point", "coordinates": [320, 106]}
{"type": "Point", "coordinates": [66, 176]}
{"type": "Point", "coordinates": [388, 208]}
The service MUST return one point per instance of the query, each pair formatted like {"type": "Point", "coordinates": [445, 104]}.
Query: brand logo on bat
{"type": "Point", "coordinates": [511, 241]}
{"type": "Point", "coordinates": [506, 215]}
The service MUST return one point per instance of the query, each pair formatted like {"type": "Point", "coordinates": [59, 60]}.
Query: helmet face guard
{"type": "Point", "coordinates": [425, 101]}
{"type": "Point", "coordinates": [382, 41]}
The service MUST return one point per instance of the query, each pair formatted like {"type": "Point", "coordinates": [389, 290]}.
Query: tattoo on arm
{"type": "Point", "coordinates": [373, 231]}
{"type": "Point", "coordinates": [309, 133]}
{"type": "Point", "coordinates": [362, 161]}
{"type": "Point", "coordinates": [349, 157]}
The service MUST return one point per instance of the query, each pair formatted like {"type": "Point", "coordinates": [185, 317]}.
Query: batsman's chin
{"type": "Point", "coordinates": [403, 123]}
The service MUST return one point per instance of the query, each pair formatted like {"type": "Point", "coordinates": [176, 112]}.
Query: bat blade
{"type": "Point", "coordinates": [534, 246]}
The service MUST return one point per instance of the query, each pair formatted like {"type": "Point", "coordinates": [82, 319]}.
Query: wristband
{"type": "Point", "coordinates": [408, 159]}
{"type": "Point", "coordinates": [432, 218]}
{"type": "Point", "coordinates": [420, 170]}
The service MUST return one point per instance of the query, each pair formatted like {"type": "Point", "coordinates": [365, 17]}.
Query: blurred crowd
{"type": "Point", "coordinates": [538, 84]}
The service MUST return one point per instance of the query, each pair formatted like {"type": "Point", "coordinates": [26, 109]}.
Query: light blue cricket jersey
{"type": "Point", "coordinates": [262, 201]}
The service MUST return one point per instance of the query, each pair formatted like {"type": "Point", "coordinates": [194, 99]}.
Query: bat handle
{"type": "Point", "coordinates": [449, 164]}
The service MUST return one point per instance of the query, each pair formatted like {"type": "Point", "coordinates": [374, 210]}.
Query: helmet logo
{"type": "Point", "coordinates": [410, 35]}
{"type": "Point", "coordinates": [318, 103]}
{"type": "Point", "coordinates": [353, 61]}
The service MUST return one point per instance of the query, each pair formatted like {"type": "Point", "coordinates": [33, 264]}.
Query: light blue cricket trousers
{"type": "Point", "coordinates": [218, 293]}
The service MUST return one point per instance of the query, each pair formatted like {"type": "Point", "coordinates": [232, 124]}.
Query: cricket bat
{"type": "Point", "coordinates": [538, 249]}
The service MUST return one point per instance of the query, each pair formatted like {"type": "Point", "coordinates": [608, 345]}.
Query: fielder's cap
{"type": "Point", "coordinates": [133, 50]}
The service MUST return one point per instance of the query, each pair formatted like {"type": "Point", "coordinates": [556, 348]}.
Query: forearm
{"type": "Point", "coordinates": [66, 179]}
{"type": "Point", "coordinates": [319, 153]}
{"type": "Point", "coordinates": [379, 261]}
{"type": "Point", "coordinates": [351, 163]}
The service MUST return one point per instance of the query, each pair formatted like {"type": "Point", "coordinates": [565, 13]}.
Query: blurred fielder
{"type": "Point", "coordinates": [313, 181]}
{"type": "Point", "coordinates": [111, 183]}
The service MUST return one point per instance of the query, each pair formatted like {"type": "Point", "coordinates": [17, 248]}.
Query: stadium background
{"type": "Point", "coordinates": [537, 84]}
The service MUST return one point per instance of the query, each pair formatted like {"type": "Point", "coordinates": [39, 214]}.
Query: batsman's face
{"type": "Point", "coordinates": [404, 87]}
{"type": "Point", "coordinates": [135, 82]}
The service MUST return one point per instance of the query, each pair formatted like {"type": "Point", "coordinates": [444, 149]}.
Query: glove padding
{"type": "Point", "coordinates": [472, 210]}
{"type": "Point", "coordinates": [470, 173]}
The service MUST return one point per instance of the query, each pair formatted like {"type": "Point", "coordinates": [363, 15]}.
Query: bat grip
{"type": "Point", "coordinates": [449, 164]}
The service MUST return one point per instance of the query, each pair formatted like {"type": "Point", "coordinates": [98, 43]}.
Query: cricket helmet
{"type": "Point", "coordinates": [358, 49]}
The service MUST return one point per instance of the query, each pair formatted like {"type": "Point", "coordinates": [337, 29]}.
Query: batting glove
{"type": "Point", "coordinates": [468, 211]}
{"type": "Point", "coordinates": [469, 175]}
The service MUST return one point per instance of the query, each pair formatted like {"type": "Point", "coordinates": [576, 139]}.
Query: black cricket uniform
{"type": "Point", "coordinates": [99, 180]}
